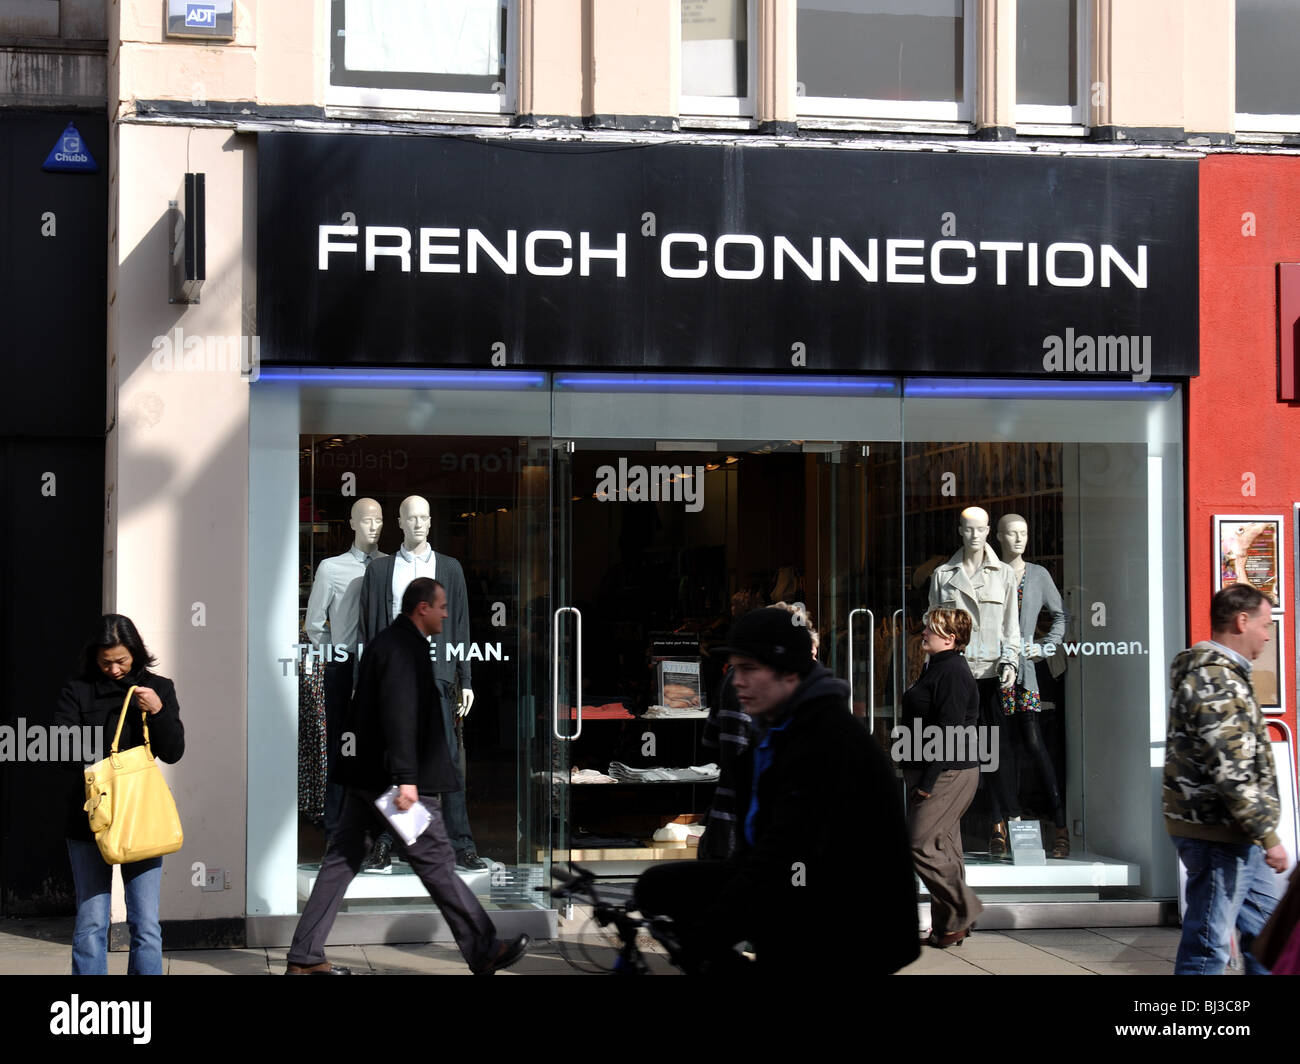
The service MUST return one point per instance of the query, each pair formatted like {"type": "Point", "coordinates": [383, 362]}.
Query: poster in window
{"type": "Point", "coordinates": [679, 686]}
{"type": "Point", "coordinates": [1248, 551]}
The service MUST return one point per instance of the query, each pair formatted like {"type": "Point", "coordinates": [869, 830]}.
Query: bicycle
{"type": "Point", "coordinates": [581, 884]}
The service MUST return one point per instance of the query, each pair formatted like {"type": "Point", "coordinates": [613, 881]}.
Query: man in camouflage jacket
{"type": "Point", "coordinates": [1220, 787]}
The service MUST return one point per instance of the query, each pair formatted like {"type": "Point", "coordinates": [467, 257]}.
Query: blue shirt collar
{"type": "Point", "coordinates": [1238, 658]}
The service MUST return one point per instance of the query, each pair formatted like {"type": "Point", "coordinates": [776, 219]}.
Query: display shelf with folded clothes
{"type": "Point", "coordinates": [606, 711]}
{"type": "Point", "coordinates": [665, 773]}
{"type": "Point", "coordinates": [589, 776]}
{"type": "Point", "coordinates": [658, 774]}
{"type": "Point", "coordinates": [673, 713]}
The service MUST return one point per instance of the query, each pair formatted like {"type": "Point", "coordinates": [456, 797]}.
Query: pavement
{"type": "Point", "coordinates": [42, 946]}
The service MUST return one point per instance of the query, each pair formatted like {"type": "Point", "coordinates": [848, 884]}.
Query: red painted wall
{"type": "Point", "coordinates": [1236, 425]}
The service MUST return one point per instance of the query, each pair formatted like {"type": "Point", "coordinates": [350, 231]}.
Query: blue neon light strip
{"type": "Point", "coordinates": [913, 387]}
{"type": "Point", "coordinates": [959, 388]}
{"type": "Point", "coordinates": [616, 382]}
{"type": "Point", "coordinates": [432, 378]}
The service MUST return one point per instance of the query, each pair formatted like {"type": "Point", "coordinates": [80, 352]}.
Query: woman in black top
{"type": "Point", "coordinates": [941, 768]}
{"type": "Point", "coordinates": [114, 660]}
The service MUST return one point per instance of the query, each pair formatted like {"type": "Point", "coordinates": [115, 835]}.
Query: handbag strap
{"type": "Point", "coordinates": [121, 718]}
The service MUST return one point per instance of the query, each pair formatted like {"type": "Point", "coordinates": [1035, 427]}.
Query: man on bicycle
{"type": "Point", "coordinates": [822, 828]}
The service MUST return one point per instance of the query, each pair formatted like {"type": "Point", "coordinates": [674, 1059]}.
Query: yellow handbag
{"type": "Point", "coordinates": [131, 809]}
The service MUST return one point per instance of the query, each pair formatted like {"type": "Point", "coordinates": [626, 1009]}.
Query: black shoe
{"type": "Point", "coordinates": [507, 955]}
{"type": "Point", "coordinates": [469, 861]}
{"type": "Point", "coordinates": [953, 938]}
{"type": "Point", "coordinates": [324, 968]}
{"type": "Point", "coordinates": [379, 859]}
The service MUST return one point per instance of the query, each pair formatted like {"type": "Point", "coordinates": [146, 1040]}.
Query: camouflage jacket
{"type": "Point", "coordinates": [1219, 782]}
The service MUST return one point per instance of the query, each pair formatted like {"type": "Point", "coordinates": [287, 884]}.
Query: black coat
{"type": "Point", "coordinates": [830, 839]}
{"type": "Point", "coordinates": [945, 696]}
{"type": "Point", "coordinates": [395, 719]}
{"type": "Point", "coordinates": [97, 702]}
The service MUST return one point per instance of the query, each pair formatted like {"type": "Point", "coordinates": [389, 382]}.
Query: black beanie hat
{"type": "Point", "coordinates": [774, 637]}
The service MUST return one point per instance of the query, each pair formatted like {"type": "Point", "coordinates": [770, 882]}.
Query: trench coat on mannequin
{"type": "Point", "coordinates": [990, 598]}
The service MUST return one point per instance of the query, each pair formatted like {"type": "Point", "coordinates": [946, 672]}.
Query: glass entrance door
{"type": "Point", "coordinates": [681, 503]}
{"type": "Point", "coordinates": [859, 591]}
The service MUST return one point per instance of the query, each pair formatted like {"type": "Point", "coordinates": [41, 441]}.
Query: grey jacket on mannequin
{"type": "Point", "coordinates": [990, 598]}
{"type": "Point", "coordinates": [1040, 593]}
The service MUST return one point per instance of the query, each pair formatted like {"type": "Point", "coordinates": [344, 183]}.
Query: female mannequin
{"type": "Point", "coordinates": [977, 581]}
{"type": "Point", "coordinates": [1036, 591]}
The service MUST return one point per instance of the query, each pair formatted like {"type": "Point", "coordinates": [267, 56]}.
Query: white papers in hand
{"type": "Point", "coordinates": [410, 824]}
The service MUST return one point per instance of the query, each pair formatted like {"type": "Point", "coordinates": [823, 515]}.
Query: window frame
{"type": "Point", "coordinates": [1249, 122]}
{"type": "Point", "coordinates": [361, 97]}
{"type": "Point", "coordinates": [811, 108]}
{"type": "Point", "coordinates": [727, 106]}
{"type": "Point", "coordinates": [1058, 118]}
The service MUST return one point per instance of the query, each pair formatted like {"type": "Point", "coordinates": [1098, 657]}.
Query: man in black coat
{"type": "Point", "coordinates": [821, 829]}
{"type": "Point", "coordinates": [395, 722]}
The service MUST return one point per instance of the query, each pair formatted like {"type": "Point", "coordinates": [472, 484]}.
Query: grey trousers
{"type": "Point", "coordinates": [434, 862]}
{"type": "Point", "coordinates": [934, 825]}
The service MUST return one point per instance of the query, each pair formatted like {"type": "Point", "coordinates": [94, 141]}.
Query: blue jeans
{"type": "Point", "coordinates": [1228, 885]}
{"type": "Point", "coordinates": [142, 881]}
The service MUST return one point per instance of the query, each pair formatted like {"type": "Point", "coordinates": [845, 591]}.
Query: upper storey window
{"type": "Point", "coordinates": [1268, 75]}
{"type": "Point", "coordinates": [1051, 62]}
{"type": "Point", "coordinates": [452, 55]}
{"type": "Point", "coordinates": [718, 57]}
{"type": "Point", "coordinates": [893, 59]}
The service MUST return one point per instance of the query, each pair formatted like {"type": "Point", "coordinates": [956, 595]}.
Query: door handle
{"type": "Point", "coordinates": [871, 665]}
{"type": "Point", "coordinates": [898, 650]}
{"type": "Point", "coordinates": [555, 673]}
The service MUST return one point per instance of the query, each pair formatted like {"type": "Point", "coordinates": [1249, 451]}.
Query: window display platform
{"type": "Point", "coordinates": [1083, 870]}
{"type": "Point", "coordinates": [1086, 873]}
{"type": "Point", "coordinates": [401, 882]}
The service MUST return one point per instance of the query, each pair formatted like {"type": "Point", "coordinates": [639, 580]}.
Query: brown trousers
{"type": "Point", "coordinates": [934, 825]}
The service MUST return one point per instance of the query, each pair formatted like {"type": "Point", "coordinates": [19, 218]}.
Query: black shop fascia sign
{"type": "Point", "coordinates": [431, 251]}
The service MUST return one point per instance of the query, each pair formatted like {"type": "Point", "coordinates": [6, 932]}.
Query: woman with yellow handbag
{"type": "Point", "coordinates": [114, 661]}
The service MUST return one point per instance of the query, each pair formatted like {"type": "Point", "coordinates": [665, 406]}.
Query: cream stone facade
{"type": "Point", "coordinates": [177, 477]}
{"type": "Point", "coordinates": [1162, 65]}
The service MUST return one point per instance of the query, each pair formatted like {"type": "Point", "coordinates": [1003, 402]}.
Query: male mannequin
{"type": "Point", "coordinates": [381, 598]}
{"type": "Point", "coordinates": [975, 580]}
{"type": "Point", "coordinates": [1036, 592]}
{"type": "Point", "coordinates": [333, 604]}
